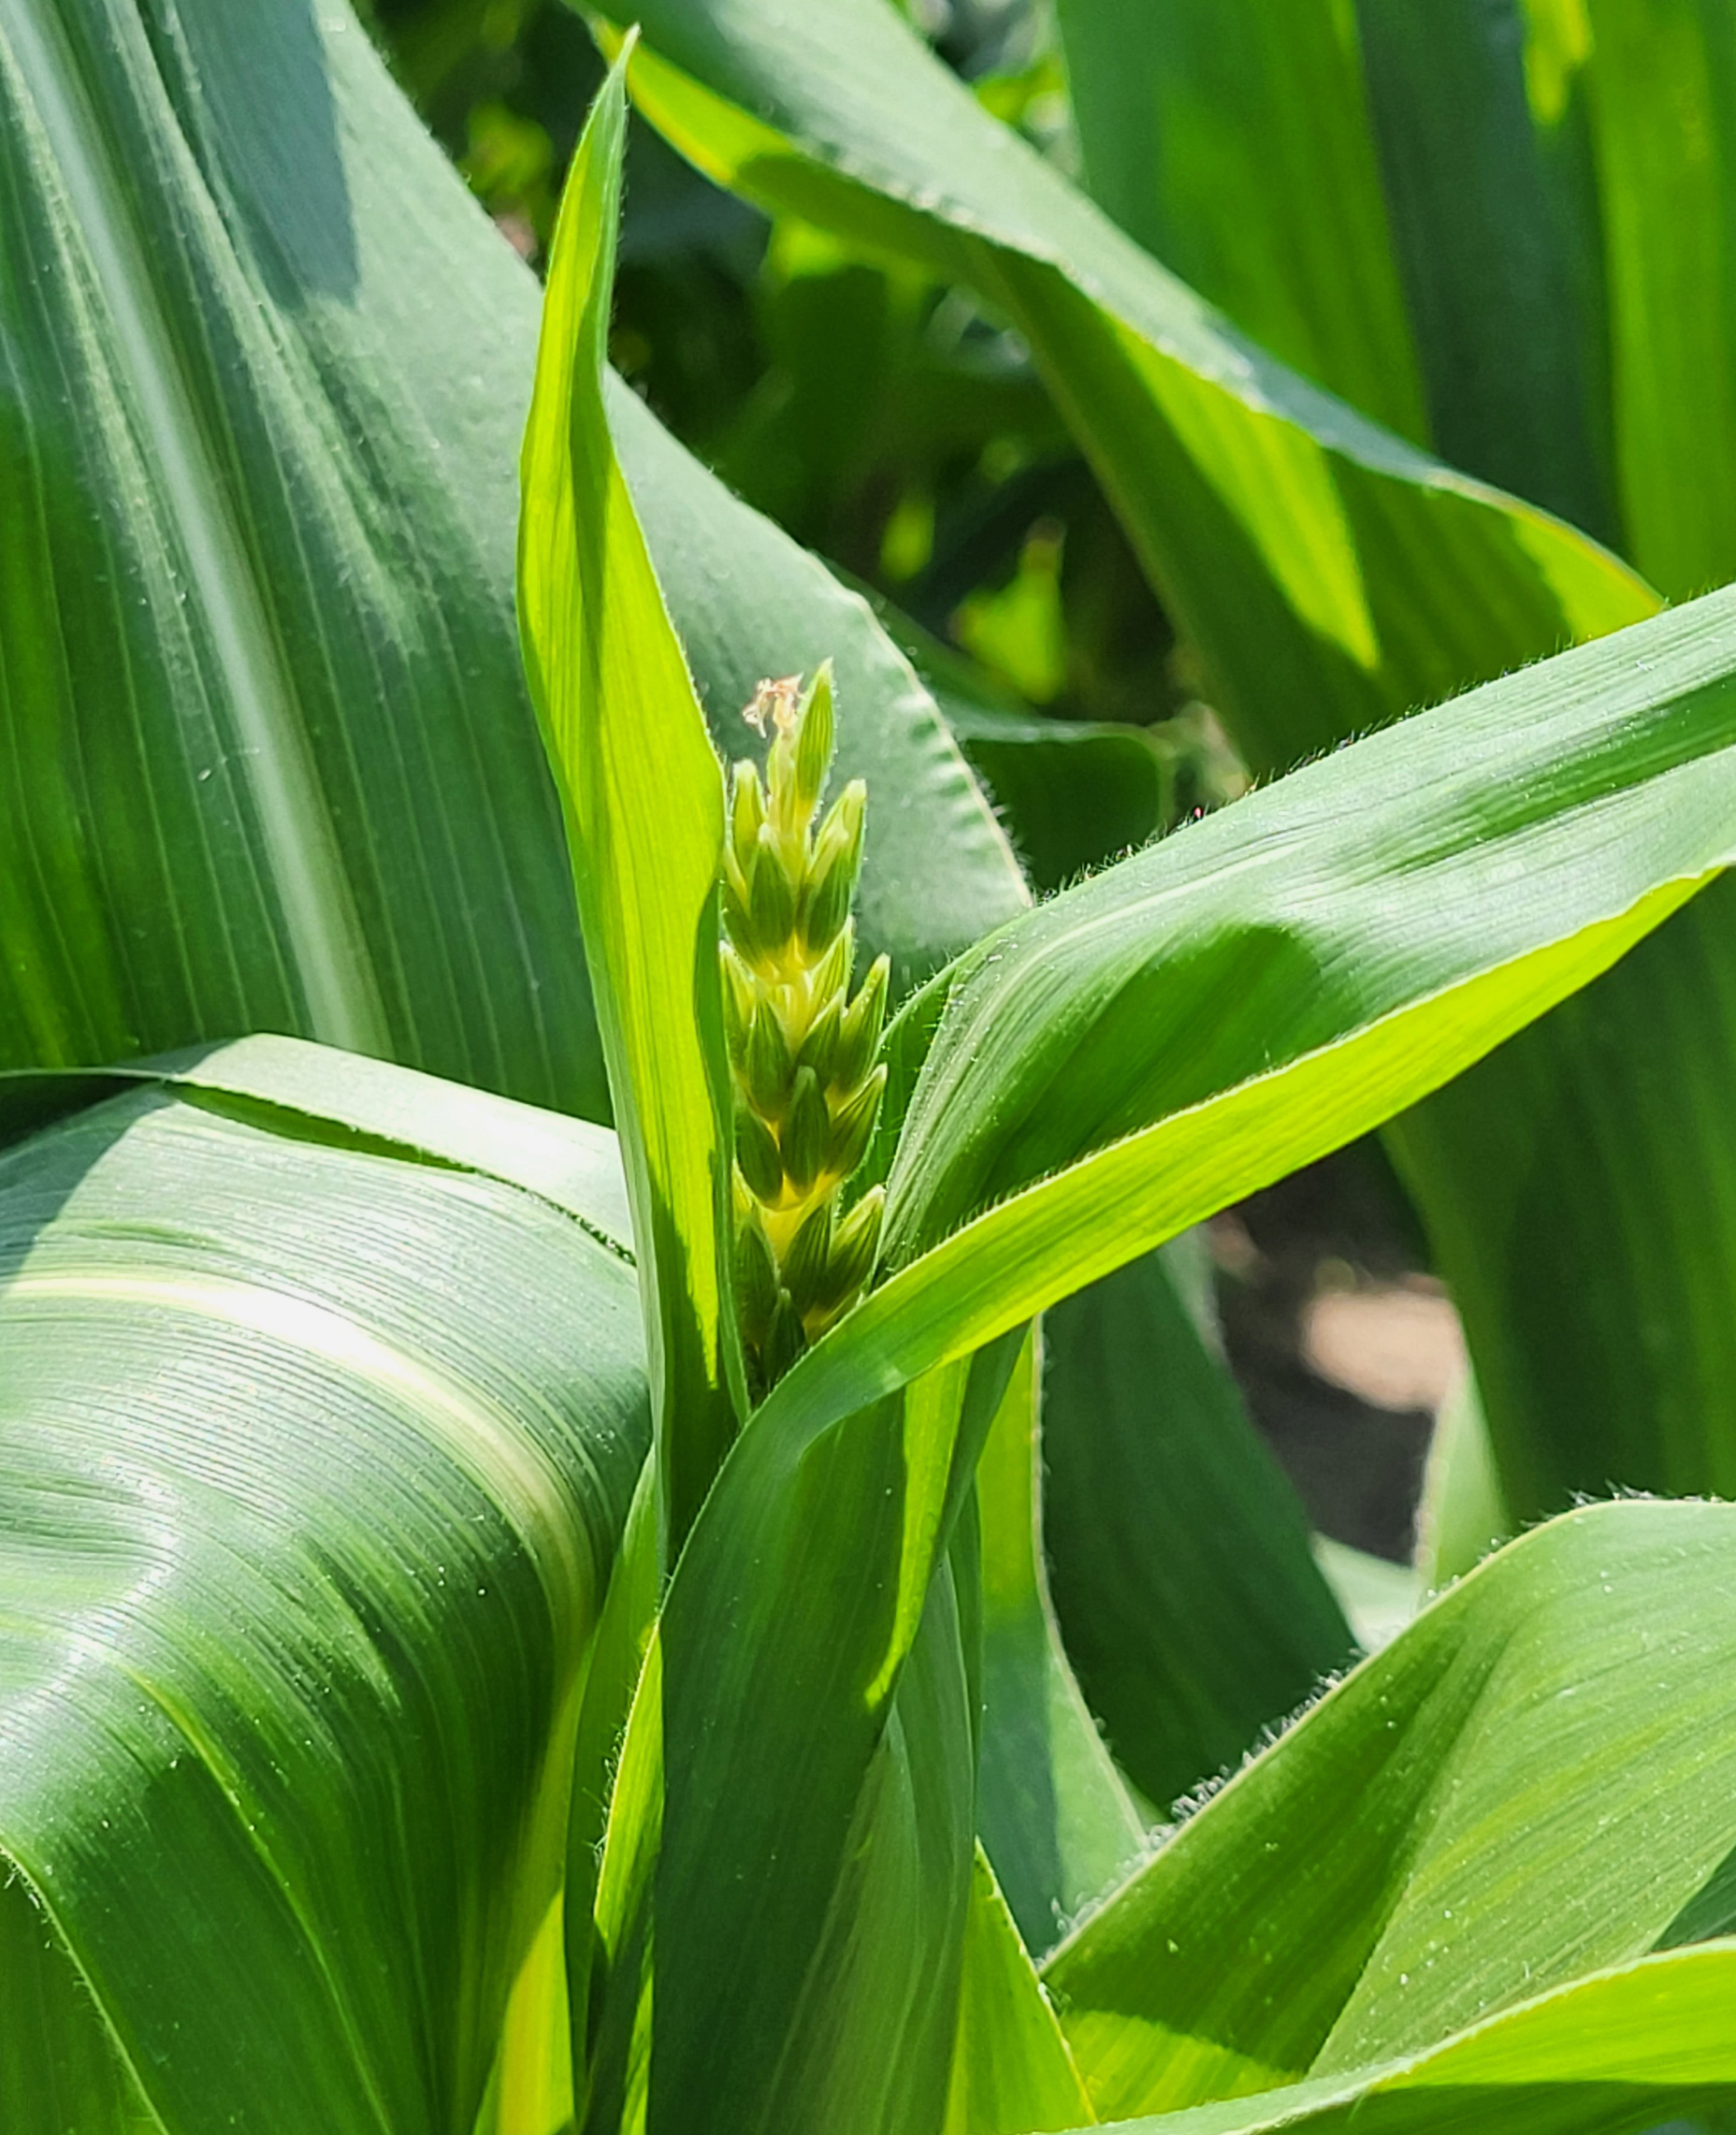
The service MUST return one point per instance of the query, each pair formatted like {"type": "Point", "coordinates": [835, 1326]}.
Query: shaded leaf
{"type": "Point", "coordinates": [1055, 1818]}
{"type": "Point", "coordinates": [1330, 573]}
{"type": "Point", "coordinates": [1189, 1600]}
{"type": "Point", "coordinates": [1235, 146]}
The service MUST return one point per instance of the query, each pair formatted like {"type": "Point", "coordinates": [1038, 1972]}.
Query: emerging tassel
{"type": "Point", "coordinates": [802, 1051]}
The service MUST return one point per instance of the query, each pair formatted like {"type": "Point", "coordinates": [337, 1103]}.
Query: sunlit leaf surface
{"type": "Point", "coordinates": [316, 1456]}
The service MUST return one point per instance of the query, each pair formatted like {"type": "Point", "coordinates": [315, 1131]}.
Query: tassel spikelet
{"type": "Point", "coordinates": [803, 1050]}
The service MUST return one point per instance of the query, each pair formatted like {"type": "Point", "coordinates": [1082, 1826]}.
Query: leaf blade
{"type": "Point", "coordinates": [1180, 1557]}
{"type": "Point", "coordinates": [1253, 120]}
{"type": "Point", "coordinates": [1004, 1200]}
{"type": "Point", "coordinates": [1056, 1822]}
{"type": "Point", "coordinates": [645, 801]}
{"type": "Point", "coordinates": [258, 634]}
{"type": "Point", "coordinates": [1550, 1659]}
{"type": "Point", "coordinates": [300, 1665]}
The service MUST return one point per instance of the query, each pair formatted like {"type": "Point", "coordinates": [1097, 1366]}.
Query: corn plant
{"type": "Point", "coordinates": [507, 1625]}
{"type": "Point", "coordinates": [1495, 233]}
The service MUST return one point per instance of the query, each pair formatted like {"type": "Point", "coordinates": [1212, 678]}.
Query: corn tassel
{"type": "Point", "coordinates": [802, 1051]}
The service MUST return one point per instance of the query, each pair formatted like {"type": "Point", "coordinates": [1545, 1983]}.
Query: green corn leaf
{"type": "Point", "coordinates": [1569, 242]}
{"type": "Point", "coordinates": [1568, 174]}
{"type": "Point", "coordinates": [747, 603]}
{"type": "Point", "coordinates": [1320, 954]}
{"type": "Point", "coordinates": [1073, 792]}
{"type": "Point", "coordinates": [873, 2039]}
{"type": "Point", "coordinates": [1330, 573]}
{"type": "Point", "coordinates": [797, 1788]}
{"type": "Point", "coordinates": [1480, 117]}
{"type": "Point", "coordinates": [1012, 2073]}
{"type": "Point", "coordinates": [319, 1442]}
{"type": "Point", "coordinates": [1559, 180]}
{"type": "Point", "coordinates": [260, 689]}
{"type": "Point", "coordinates": [1603, 1355]}
{"type": "Point", "coordinates": [1517, 1795]}
{"type": "Point", "coordinates": [351, 1101]}
{"type": "Point", "coordinates": [1560, 184]}
{"type": "Point", "coordinates": [1190, 1604]}
{"type": "Point", "coordinates": [1303, 176]}
{"type": "Point", "coordinates": [1056, 1820]}
{"type": "Point", "coordinates": [1639, 2049]}
{"type": "Point", "coordinates": [1235, 146]}
{"type": "Point", "coordinates": [624, 1635]}
{"type": "Point", "coordinates": [644, 811]}
{"type": "Point", "coordinates": [1377, 1596]}
{"type": "Point", "coordinates": [1328, 576]}
{"type": "Point", "coordinates": [269, 763]}
{"type": "Point", "coordinates": [1659, 92]}
{"type": "Point", "coordinates": [1550, 840]}
{"type": "Point", "coordinates": [1462, 1514]}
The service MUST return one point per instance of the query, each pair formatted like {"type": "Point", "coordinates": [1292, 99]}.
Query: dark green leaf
{"type": "Point", "coordinates": [1189, 1600]}
{"type": "Point", "coordinates": [1234, 143]}
{"type": "Point", "coordinates": [270, 763]}
{"type": "Point", "coordinates": [1056, 1820]}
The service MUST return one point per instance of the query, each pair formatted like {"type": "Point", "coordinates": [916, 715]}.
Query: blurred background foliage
{"type": "Point", "coordinates": [889, 426]}
{"type": "Point", "coordinates": [878, 417]}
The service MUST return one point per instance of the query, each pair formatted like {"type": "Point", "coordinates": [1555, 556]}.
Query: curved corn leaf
{"type": "Point", "coordinates": [1330, 573]}
{"type": "Point", "coordinates": [1582, 1199]}
{"type": "Point", "coordinates": [747, 603]}
{"type": "Point", "coordinates": [1657, 90]}
{"type": "Point", "coordinates": [318, 1446]}
{"type": "Point", "coordinates": [1189, 1600]}
{"type": "Point", "coordinates": [271, 758]}
{"type": "Point", "coordinates": [352, 1101]}
{"type": "Point", "coordinates": [1236, 147]}
{"type": "Point", "coordinates": [1635, 2050]}
{"type": "Point", "coordinates": [1072, 792]}
{"type": "Point", "coordinates": [1056, 1821]}
{"type": "Point", "coordinates": [1562, 179]}
{"type": "Point", "coordinates": [1480, 121]}
{"type": "Point", "coordinates": [1519, 1792]}
{"type": "Point", "coordinates": [1560, 184]}
{"type": "Point", "coordinates": [268, 758]}
{"type": "Point", "coordinates": [643, 796]}
{"type": "Point", "coordinates": [1315, 958]}
{"type": "Point", "coordinates": [1011, 2071]}
{"type": "Point", "coordinates": [1321, 179]}
{"type": "Point", "coordinates": [797, 1786]}
{"type": "Point", "coordinates": [1551, 841]}
{"type": "Point", "coordinates": [1569, 182]}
